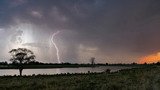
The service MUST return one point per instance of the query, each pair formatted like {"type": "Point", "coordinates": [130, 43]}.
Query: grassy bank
{"type": "Point", "coordinates": [47, 66]}
{"type": "Point", "coordinates": [147, 78]}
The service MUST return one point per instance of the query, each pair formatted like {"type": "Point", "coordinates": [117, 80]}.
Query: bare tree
{"type": "Point", "coordinates": [21, 56]}
{"type": "Point", "coordinates": [92, 60]}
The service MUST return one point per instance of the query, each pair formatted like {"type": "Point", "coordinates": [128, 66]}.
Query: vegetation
{"type": "Point", "coordinates": [146, 78]}
{"type": "Point", "coordinates": [92, 60]}
{"type": "Point", "coordinates": [39, 65]}
{"type": "Point", "coordinates": [21, 56]}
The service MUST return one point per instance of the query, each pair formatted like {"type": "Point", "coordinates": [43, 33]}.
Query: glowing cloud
{"type": "Point", "coordinates": [150, 58]}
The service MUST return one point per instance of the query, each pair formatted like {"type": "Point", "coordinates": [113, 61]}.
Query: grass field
{"type": "Point", "coordinates": [147, 78]}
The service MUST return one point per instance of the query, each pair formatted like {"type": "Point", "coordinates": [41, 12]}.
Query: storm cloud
{"type": "Point", "coordinates": [111, 30]}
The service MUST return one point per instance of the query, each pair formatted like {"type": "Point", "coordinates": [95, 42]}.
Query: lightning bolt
{"type": "Point", "coordinates": [55, 45]}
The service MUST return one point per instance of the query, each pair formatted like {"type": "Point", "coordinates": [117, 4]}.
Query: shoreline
{"type": "Point", "coordinates": [144, 78]}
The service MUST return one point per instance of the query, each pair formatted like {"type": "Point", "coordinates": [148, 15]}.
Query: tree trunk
{"type": "Point", "coordinates": [20, 68]}
{"type": "Point", "coordinates": [20, 71]}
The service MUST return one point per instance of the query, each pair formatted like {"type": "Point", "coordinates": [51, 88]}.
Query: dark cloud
{"type": "Point", "coordinates": [114, 27]}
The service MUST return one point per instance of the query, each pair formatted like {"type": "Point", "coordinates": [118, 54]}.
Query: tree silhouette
{"type": "Point", "coordinates": [92, 60]}
{"type": "Point", "coordinates": [21, 56]}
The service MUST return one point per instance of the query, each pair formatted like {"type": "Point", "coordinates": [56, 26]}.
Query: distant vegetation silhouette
{"type": "Point", "coordinates": [21, 56]}
{"type": "Point", "coordinates": [92, 60]}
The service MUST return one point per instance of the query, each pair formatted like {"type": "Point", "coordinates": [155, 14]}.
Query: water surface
{"type": "Point", "coordinates": [61, 70]}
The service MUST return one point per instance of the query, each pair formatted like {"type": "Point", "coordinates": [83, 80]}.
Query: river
{"type": "Point", "coordinates": [61, 70]}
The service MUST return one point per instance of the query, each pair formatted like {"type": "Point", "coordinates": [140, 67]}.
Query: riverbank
{"type": "Point", "coordinates": [49, 66]}
{"type": "Point", "coordinates": [146, 78]}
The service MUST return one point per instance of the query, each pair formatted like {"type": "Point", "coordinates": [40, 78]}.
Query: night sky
{"type": "Point", "coordinates": [113, 31]}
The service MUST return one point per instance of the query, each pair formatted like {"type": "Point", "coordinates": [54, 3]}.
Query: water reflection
{"type": "Point", "coordinates": [61, 70]}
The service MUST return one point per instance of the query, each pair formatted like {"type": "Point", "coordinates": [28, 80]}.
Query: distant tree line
{"type": "Point", "coordinates": [67, 63]}
{"type": "Point", "coordinates": [3, 63]}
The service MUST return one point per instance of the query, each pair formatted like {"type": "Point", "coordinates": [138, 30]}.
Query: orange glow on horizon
{"type": "Point", "coordinates": [153, 58]}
